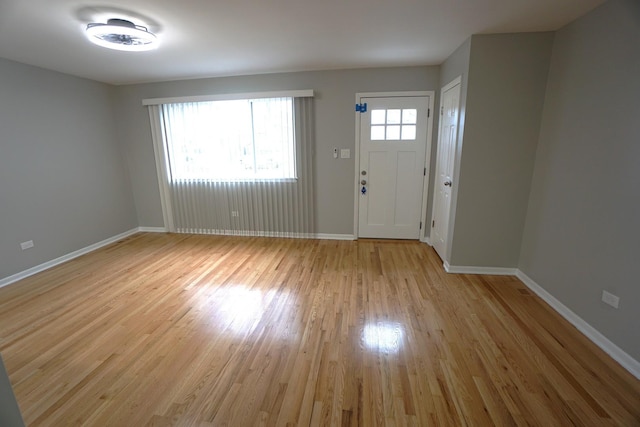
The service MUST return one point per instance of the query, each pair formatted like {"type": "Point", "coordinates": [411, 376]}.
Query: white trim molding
{"type": "Point", "coordinates": [273, 234]}
{"type": "Point", "coordinates": [496, 271]}
{"type": "Point", "coordinates": [64, 258]}
{"type": "Point", "coordinates": [306, 93]}
{"type": "Point", "coordinates": [152, 229]}
{"type": "Point", "coordinates": [325, 236]}
{"type": "Point", "coordinates": [616, 353]}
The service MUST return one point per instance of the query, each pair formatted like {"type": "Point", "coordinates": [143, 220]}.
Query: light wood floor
{"type": "Point", "coordinates": [208, 331]}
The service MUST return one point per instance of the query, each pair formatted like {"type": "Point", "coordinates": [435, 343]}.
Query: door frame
{"type": "Point", "coordinates": [425, 181]}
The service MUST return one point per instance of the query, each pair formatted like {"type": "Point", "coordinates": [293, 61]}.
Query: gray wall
{"type": "Point", "coordinates": [504, 99]}
{"type": "Point", "coordinates": [10, 415]}
{"type": "Point", "coordinates": [63, 180]}
{"type": "Point", "coordinates": [335, 118]}
{"type": "Point", "coordinates": [582, 232]}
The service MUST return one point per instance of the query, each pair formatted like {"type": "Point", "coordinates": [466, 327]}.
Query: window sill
{"type": "Point", "coordinates": [233, 181]}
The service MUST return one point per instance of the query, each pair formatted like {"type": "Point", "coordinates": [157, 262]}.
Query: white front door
{"type": "Point", "coordinates": [447, 140]}
{"type": "Point", "coordinates": [393, 140]}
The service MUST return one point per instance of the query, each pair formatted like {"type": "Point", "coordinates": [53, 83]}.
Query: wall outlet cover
{"type": "Point", "coordinates": [26, 245]}
{"type": "Point", "coordinates": [610, 299]}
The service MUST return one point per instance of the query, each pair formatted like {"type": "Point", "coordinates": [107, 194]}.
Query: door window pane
{"type": "Point", "coordinates": [409, 132]}
{"type": "Point", "coordinates": [378, 117]}
{"type": "Point", "coordinates": [409, 116]}
{"type": "Point", "coordinates": [393, 117]}
{"type": "Point", "coordinates": [377, 133]}
{"type": "Point", "coordinates": [393, 132]}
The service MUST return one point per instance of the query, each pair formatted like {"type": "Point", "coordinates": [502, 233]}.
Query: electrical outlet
{"type": "Point", "coordinates": [234, 213]}
{"type": "Point", "coordinates": [345, 153]}
{"type": "Point", "coordinates": [26, 245]}
{"type": "Point", "coordinates": [610, 299]}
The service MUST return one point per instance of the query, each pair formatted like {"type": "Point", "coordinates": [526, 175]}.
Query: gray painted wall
{"type": "Point", "coordinates": [457, 64]}
{"type": "Point", "coordinates": [10, 415]}
{"type": "Point", "coordinates": [63, 180]}
{"type": "Point", "coordinates": [335, 119]}
{"type": "Point", "coordinates": [582, 230]}
{"type": "Point", "coordinates": [504, 99]}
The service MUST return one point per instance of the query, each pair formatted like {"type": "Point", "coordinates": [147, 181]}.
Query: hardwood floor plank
{"type": "Point", "coordinates": [192, 330]}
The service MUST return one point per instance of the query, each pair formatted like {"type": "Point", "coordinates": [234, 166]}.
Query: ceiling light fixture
{"type": "Point", "coordinates": [121, 34]}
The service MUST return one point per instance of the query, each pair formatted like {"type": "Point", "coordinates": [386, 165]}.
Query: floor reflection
{"type": "Point", "coordinates": [238, 308]}
{"type": "Point", "coordinates": [383, 336]}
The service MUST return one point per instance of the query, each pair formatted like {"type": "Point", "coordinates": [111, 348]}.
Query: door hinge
{"type": "Point", "coordinates": [428, 112]}
{"type": "Point", "coordinates": [361, 108]}
{"type": "Point", "coordinates": [424, 173]}
{"type": "Point", "coordinates": [442, 110]}
{"type": "Point", "coordinates": [433, 223]}
{"type": "Point", "coordinates": [420, 225]}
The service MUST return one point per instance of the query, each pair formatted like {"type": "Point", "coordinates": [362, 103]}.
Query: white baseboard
{"type": "Point", "coordinates": [47, 265]}
{"type": "Point", "coordinates": [324, 236]}
{"type": "Point", "coordinates": [152, 229]}
{"type": "Point", "coordinates": [287, 235]}
{"type": "Point", "coordinates": [426, 240]}
{"type": "Point", "coordinates": [616, 353]}
{"type": "Point", "coordinates": [496, 271]}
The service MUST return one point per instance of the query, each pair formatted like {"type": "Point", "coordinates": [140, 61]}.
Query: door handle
{"type": "Point", "coordinates": [363, 182]}
{"type": "Point", "coordinates": [447, 183]}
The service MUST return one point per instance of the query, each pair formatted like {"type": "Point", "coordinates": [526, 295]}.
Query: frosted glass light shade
{"type": "Point", "coordinates": [120, 34]}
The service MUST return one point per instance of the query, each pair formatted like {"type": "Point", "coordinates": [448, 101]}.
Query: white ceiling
{"type": "Point", "coordinates": [209, 38]}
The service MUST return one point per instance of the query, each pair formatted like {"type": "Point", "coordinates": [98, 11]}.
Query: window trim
{"type": "Point", "coordinates": [306, 93]}
{"type": "Point", "coordinates": [233, 181]}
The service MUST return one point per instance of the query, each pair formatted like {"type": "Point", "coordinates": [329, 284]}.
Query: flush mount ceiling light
{"type": "Point", "coordinates": [121, 34]}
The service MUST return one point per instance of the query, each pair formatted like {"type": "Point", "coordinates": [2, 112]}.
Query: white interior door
{"type": "Point", "coordinates": [447, 140]}
{"type": "Point", "coordinates": [393, 140]}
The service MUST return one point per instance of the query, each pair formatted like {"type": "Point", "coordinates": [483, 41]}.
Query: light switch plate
{"type": "Point", "coordinates": [610, 299]}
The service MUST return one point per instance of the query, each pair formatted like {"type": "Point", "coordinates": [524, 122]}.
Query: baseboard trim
{"type": "Point", "coordinates": [616, 353]}
{"type": "Point", "coordinates": [64, 258]}
{"type": "Point", "coordinates": [152, 229]}
{"type": "Point", "coordinates": [324, 236]}
{"type": "Point", "coordinates": [426, 240]}
{"type": "Point", "coordinates": [275, 234]}
{"type": "Point", "coordinates": [496, 271]}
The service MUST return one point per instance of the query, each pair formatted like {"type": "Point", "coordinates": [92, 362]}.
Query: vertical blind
{"type": "Point", "coordinates": [242, 167]}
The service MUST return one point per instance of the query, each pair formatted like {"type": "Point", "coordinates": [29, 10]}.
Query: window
{"type": "Point", "coordinates": [231, 140]}
{"type": "Point", "coordinates": [393, 124]}
{"type": "Point", "coordinates": [236, 163]}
